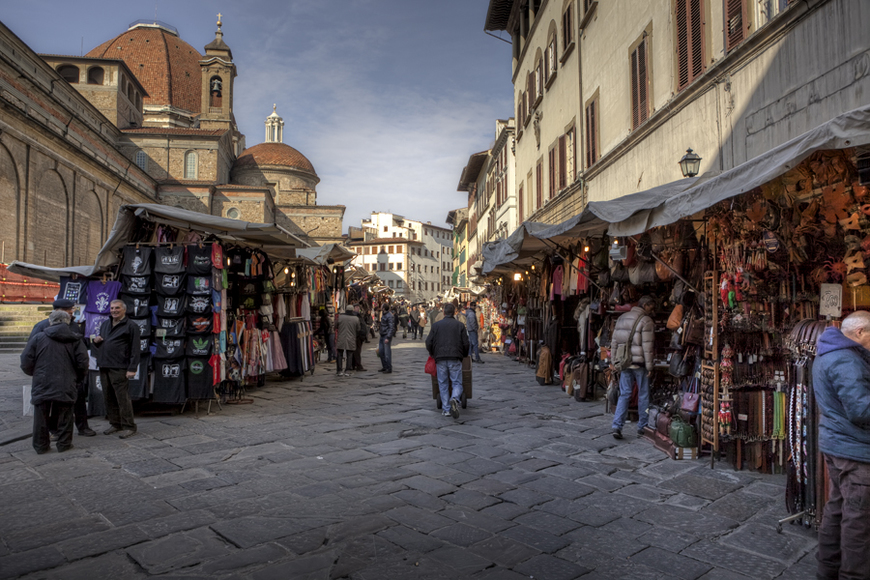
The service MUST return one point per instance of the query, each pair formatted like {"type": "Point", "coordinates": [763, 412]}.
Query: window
{"type": "Point", "coordinates": [398, 284]}
{"type": "Point", "coordinates": [570, 164]}
{"type": "Point", "coordinates": [563, 176]}
{"type": "Point", "coordinates": [553, 172]}
{"type": "Point", "coordinates": [382, 267]}
{"type": "Point", "coordinates": [539, 80]}
{"type": "Point", "coordinates": [550, 61]}
{"type": "Point", "coordinates": [69, 73]}
{"type": "Point", "coordinates": [398, 265]}
{"type": "Point", "coordinates": [639, 84]}
{"type": "Point", "coordinates": [390, 283]}
{"type": "Point", "coordinates": [95, 75]}
{"type": "Point", "coordinates": [233, 213]}
{"type": "Point", "coordinates": [592, 131]}
{"type": "Point", "coordinates": [425, 285]}
{"type": "Point", "coordinates": [390, 250]}
{"type": "Point", "coordinates": [690, 41]}
{"type": "Point", "coordinates": [385, 228]}
{"type": "Point", "coordinates": [391, 265]}
{"type": "Point", "coordinates": [539, 184]}
{"type": "Point", "coordinates": [735, 23]}
{"type": "Point", "coordinates": [190, 165]}
{"type": "Point", "coordinates": [568, 26]}
{"type": "Point", "coordinates": [215, 93]}
{"type": "Point", "coordinates": [142, 160]}
{"type": "Point", "coordinates": [520, 202]}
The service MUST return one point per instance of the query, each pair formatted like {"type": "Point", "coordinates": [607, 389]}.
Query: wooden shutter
{"type": "Point", "coordinates": [531, 89]}
{"type": "Point", "coordinates": [562, 163]}
{"type": "Point", "coordinates": [539, 185]}
{"type": "Point", "coordinates": [552, 170]}
{"type": "Point", "coordinates": [735, 23]}
{"type": "Point", "coordinates": [591, 134]}
{"type": "Point", "coordinates": [639, 85]}
{"type": "Point", "coordinates": [520, 203]}
{"type": "Point", "coordinates": [690, 41]}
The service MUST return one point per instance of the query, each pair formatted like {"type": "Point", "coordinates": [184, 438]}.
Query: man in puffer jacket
{"type": "Point", "coordinates": [57, 360]}
{"type": "Point", "coordinates": [841, 381]}
{"type": "Point", "coordinates": [641, 366]}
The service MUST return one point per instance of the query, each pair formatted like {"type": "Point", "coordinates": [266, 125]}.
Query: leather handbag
{"type": "Point", "coordinates": [681, 434]}
{"type": "Point", "coordinates": [676, 317]}
{"type": "Point", "coordinates": [675, 363]}
{"type": "Point", "coordinates": [693, 329]}
{"type": "Point", "coordinates": [663, 424]}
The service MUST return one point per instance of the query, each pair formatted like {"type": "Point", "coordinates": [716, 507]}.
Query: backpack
{"type": "Point", "coordinates": [621, 359]}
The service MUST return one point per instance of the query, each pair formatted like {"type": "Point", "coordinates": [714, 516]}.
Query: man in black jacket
{"type": "Point", "coordinates": [448, 344]}
{"type": "Point", "coordinates": [387, 331]}
{"type": "Point", "coordinates": [57, 360]}
{"type": "Point", "coordinates": [80, 409]}
{"type": "Point", "coordinates": [117, 352]}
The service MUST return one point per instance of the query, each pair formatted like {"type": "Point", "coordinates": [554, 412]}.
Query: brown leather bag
{"type": "Point", "coordinates": [693, 329]}
{"type": "Point", "coordinates": [676, 317]}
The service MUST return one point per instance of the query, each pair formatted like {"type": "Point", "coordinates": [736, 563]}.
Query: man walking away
{"type": "Point", "coordinates": [387, 332]}
{"type": "Point", "coordinates": [636, 329]}
{"type": "Point", "coordinates": [448, 344]}
{"type": "Point", "coordinates": [472, 326]}
{"type": "Point", "coordinates": [404, 318]}
{"type": "Point", "coordinates": [57, 360]}
{"type": "Point", "coordinates": [841, 380]}
{"type": "Point", "coordinates": [117, 355]}
{"type": "Point", "coordinates": [414, 321]}
{"type": "Point", "coordinates": [361, 337]}
{"type": "Point", "coordinates": [80, 409]}
{"type": "Point", "coordinates": [348, 329]}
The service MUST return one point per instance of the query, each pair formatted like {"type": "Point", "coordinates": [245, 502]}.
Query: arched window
{"type": "Point", "coordinates": [142, 160]}
{"type": "Point", "coordinates": [95, 75]}
{"type": "Point", "coordinates": [70, 73]}
{"type": "Point", "coordinates": [190, 165]}
{"type": "Point", "coordinates": [233, 213]}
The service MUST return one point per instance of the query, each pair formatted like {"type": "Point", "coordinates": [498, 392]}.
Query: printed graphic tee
{"type": "Point", "coordinates": [199, 305]}
{"type": "Point", "coordinates": [75, 290]}
{"type": "Point", "coordinates": [199, 285]}
{"type": "Point", "coordinates": [169, 348]}
{"type": "Point", "coordinates": [144, 325]}
{"type": "Point", "coordinates": [140, 285]}
{"type": "Point", "coordinates": [137, 306]}
{"type": "Point", "coordinates": [136, 261]}
{"type": "Point", "coordinates": [170, 284]}
{"type": "Point", "coordinates": [199, 260]}
{"type": "Point", "coordinates": [169, 382]}
{"type": "Point", "coordinates": [171, 327]}
{"type": "Point", "coordinates": [199, 346]}
{"type": "Point", "coordinates": [199, 379]}
{"type": "Point", "coordinates": [170, 305]}
{"type": "Point", "coordinates": [138, 385]}
{"type": "Point", "coordinates": [100, 295]}
{"type": "Point", "coordinates": [169, 260]}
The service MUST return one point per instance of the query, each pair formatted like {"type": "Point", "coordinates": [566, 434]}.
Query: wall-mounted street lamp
{"type": "Point", "coordinates": [690, 164]}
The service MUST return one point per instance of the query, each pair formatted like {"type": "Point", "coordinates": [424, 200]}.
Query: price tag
{"type": "Point", "coordinates": [742, 417]}
{"type": "Point", "coordinates": [831, 300]}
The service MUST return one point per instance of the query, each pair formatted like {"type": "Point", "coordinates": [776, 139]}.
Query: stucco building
{"type": "Point", "coordinates": [610, 95]}
{"type": "Point", "coordinates": [143, 117]}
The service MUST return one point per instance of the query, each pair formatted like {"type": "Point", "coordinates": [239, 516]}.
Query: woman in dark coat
{"type": "Point", "coordinates": [57, 360]}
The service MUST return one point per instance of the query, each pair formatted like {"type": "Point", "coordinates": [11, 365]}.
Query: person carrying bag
{"type": "Point", "coordinates": [631, 351]}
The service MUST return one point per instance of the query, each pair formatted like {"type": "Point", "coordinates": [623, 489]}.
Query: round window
{"type": "Point", "coordinates": [234, 213]}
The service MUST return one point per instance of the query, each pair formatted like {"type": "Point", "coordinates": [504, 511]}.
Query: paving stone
{"type": "Point", "coordinates": [479, 466]}
{"type": "Point", "coordinates": [305, 542]}
{"type": "Point", "coordinates": [101, 542]}
{"type": "Point", "coordinates": [420, 499]}
{"type": "Point", "coordinates": [177, 522]}
{"type": "Point", "coordinates": [359, 526]}
{"type": "Point", "coordinates": [418, 519]}
{"type": "Point", "coordinates": [764, 489]}
{"type": "Point", "coordinates": [471, 499]}
{"type": "Point", "coordinates": [534, 464]}
{"type": "Point", "coordinates": [488, 486]}
{"type": "Point", "coordinates": [461, 534]}
{"type": "Point", "coordinates": [514, 476]}
{"type": "Point", "coordinates": [499, 573]}
{"type": "Point", "coordinates": [559, 487]}
{"type": "Point", "coordinates": [178, 551]}
{"type": "Point", "coordinates": [540, 540]}
{"type": "Point", "coordinates": [505, 510]}
{"type": "Point", "coordinates": [602, 482]}
{"type": "Point", "coordinates": [701, 486]}
{"type": "Point", "coordinates": [689, 502]}
{"type": "Point", "coordinates": [487, 522]}
{"type": "Point", "coordinates": [740, 505]}
{"type": "Point", "coordinates": [356, 554]}
{"type": "Point", "coordinates": [720, 574]}
{"type": "Point", "coordinates": [503, 551]}
{"type": "Point", "coordinates": [765, 541]}
{"type": "Point", "coordinates": [547, 521]}
{"type": "Point", "coordinates": [37, 536]}
{"type": "Point", "coordinates": [460, 560]}
{"type": "Point", "coordinates": [567, 471]}
{"type": "Point", "coordinates": [722, 556]}
{"type": "Point", "coordinates": [671, 563]}
{"type": "Point", "coordinates": [17, 565]}
{"type": "Point", "coordinates": [623, 570]}
{"type": "Point", "coordinates": [608, 545]}
{"type": "Point", "coordinates": [429, 485]}
{"type": "Point", "coordinates": [112, 565]}
{"type": "Point", "coordinates": [551, 568]}
{"type": "Point", "coordinates": [250, 531]}
{"type": "Point", "coordinates": [686, 521]}
{"type": "Point", "coordinates": [628, 527]}
{"type": "Point", "coordinates": [301, 568]}
{"type": "Point", "coordinates": [524, 497]}
{"type": "Point", "coordinates": [667, 539]}
{"type": "Point", "coordinates": [410, 540]}
{"type": "Point", "coordinates": [150, 467]}
{"type": "Point", "coordinates": [646, 492]}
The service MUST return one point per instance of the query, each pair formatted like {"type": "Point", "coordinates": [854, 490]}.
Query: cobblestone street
{"type": "Point", "coordinates": [362, 478]}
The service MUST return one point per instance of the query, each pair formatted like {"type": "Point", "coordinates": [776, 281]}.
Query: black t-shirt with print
{"type": "Point", "coordinates": [169, 384]}
{"type": "Point", "coordinates": [199, 285]}
{"type": "Point", "coordinates": [137, 306]}
{"type": "Point", "coordinates": [199, 260]}
{"type": "Point", "coordinates": [199, 324]}
{"type": "Point", "coordinates": [171, 305]}
{"type": "Point", "coordinates": [199, 379]}
{"type": "Point", "coordinates": [139, 285]}
{"type": "Point", "coordinates": [199, 346]}
{"type": "Point", "coordinates": [170, 284]}
{"type": "Point", "coordinates": [169, 348]}
{"type": "Point", "coordinates": [199, 305]}
{"type": "Point", "coordinates": [169, 260]}
{"type": "Point", "coordinates": [173, 327]}
{"type": "Point", "coordinates": [144, 325]}
{"type": "Point", "coordinates": [136, 261]}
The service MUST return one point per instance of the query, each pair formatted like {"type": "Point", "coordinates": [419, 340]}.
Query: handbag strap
{"type": "Point", "coordinates": [634, 328]}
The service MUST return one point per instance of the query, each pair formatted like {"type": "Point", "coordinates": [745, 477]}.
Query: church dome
{"type": "Point", "coordinates": [166, 66]}
{"type": "Point", "coordinates": [273, 154]}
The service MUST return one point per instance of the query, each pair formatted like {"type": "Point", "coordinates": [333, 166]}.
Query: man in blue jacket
{"type": "Point", "coordinates": [387, 331]}
{"type": "Point", "coordinates": [841, 381]}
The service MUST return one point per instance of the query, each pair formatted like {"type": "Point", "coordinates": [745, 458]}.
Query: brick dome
{"type": "Point", "coordinates": [275, 154]}
{"type": "Point", "coordinates": [166, 66]}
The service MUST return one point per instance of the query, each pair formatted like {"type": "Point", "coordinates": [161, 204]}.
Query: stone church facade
{"type": "Point", "coordinates": [142, 118]}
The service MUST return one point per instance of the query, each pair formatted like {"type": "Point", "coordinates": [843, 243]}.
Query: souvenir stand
{"type": "Point", "coordinates": [205, 295]}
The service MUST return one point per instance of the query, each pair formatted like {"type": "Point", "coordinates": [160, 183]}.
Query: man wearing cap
{"type": "Point", "coordinates": [80, 408]}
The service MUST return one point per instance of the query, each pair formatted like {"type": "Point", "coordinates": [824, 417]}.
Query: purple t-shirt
{"type": "Point", "coordinates": [100, 295]}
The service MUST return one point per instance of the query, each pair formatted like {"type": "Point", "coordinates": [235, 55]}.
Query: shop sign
{"type": "Point", "coordinates": [831, 300]}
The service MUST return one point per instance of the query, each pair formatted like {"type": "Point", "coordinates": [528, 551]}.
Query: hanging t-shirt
{"type": "Point", "coordinates": [140, 285]}
{"type": "Point", "coordinates": [199, 285]}
{"type": "Point", "coordinates": [96, 405]}
{"type": "Point", "coordinates": [144, 325]}
{"type": "Point", "coordinates": [169, 381]}
{"type": "Point", "coordinates": [171, 327]}
{"type": "Point", "coordinates": [556, 289]}
{"type": "Point", "coordinates": [217, 279]}
{"type": "Point", "coordinates": [217, 256]}
{"type": "Point", "coordinates": [169, 260]}
{"type": "Point", "coordinates": [144, 345]}
{"type": "Point", "coordinates": [138, 385]}
{"type": "Point", "coordinates": [237, 260]}
{"type": "Point", "coordinates": [171, 305]}
{"type": "Point", "coordinates": [199, 346]}
{"type": "Point", "coordinates": [170, 284]}
{"type": "Point", "coordinates": [93, 322]}
{"type": "Point", "coordinates": [168, 348]}
{"type": "Point", "coordinates": [75, 290]}
{"type": "Point", "coordinates": [216, 299]}
{"type": "Point", "coordinates": [199, 324]}
{"type": "Point", "coordinates": [199, 379]}
{"type": "Point", "coordinates": [136, 261]}
{"type": "Point", "coordinates": [217, 366]}
{"type": "Point", "coordinates": [199, 305]}
{"type": "Point", "coordinates": [100, 295]}
{"type": "Point", "coordinates": [137, 306]}
{"type": "Point", "coordinates": [199, 260]}
{"type": "Point", "coordinates": [217, 325]}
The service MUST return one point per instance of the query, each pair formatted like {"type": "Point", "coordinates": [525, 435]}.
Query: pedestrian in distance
{"type": "Point", "coordinates": [472, 326]}
{"type": "Point", "coordinates": [841, 382]}
{"type": "Point", "coordinates": [387, 331]}
{"type": "Point", "coordinates": [57, 360]}
{"type": "Point", "coordinates": [636, 329]}
{"type": "Point", "coordinates": [348, 329]}
{"type": "Point", "coordinates": [414, 321]}
{"type": "Point", "coordinates": [361, 337]}
{"type": "Point", "coordinates": [404, 319]}
{"type": "Point", "coordinates": [448, 344]}
{"type": "Point", "coordinates": [117, 354]}
{"type": "Point", "coordinates": [80, 408]}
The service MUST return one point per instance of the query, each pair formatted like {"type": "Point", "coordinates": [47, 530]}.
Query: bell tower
{"type": "Point", "coordinates": [274, 127]}
{"type": "Point", "coordinates": [218, 72]}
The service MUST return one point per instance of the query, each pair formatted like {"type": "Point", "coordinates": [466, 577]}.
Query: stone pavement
{"type": "Point", "coordinates": [362, 478]}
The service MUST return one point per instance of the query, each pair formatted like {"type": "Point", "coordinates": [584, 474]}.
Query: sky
{"type": "Point", "coordinates": [386, 98]}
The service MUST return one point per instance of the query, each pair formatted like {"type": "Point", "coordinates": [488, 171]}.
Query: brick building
{"type": "Point", "coordinates": [143, 117]}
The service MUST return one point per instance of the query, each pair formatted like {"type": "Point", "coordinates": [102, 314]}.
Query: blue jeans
{"type": "Point", "coordinates": [474, 348]}
{"type": "Point", "coordinates": [449, 371]}
{"type": "Point", "coordinates": [385, 348]}
{"type": "Point", "coordinates": [627, 378]}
